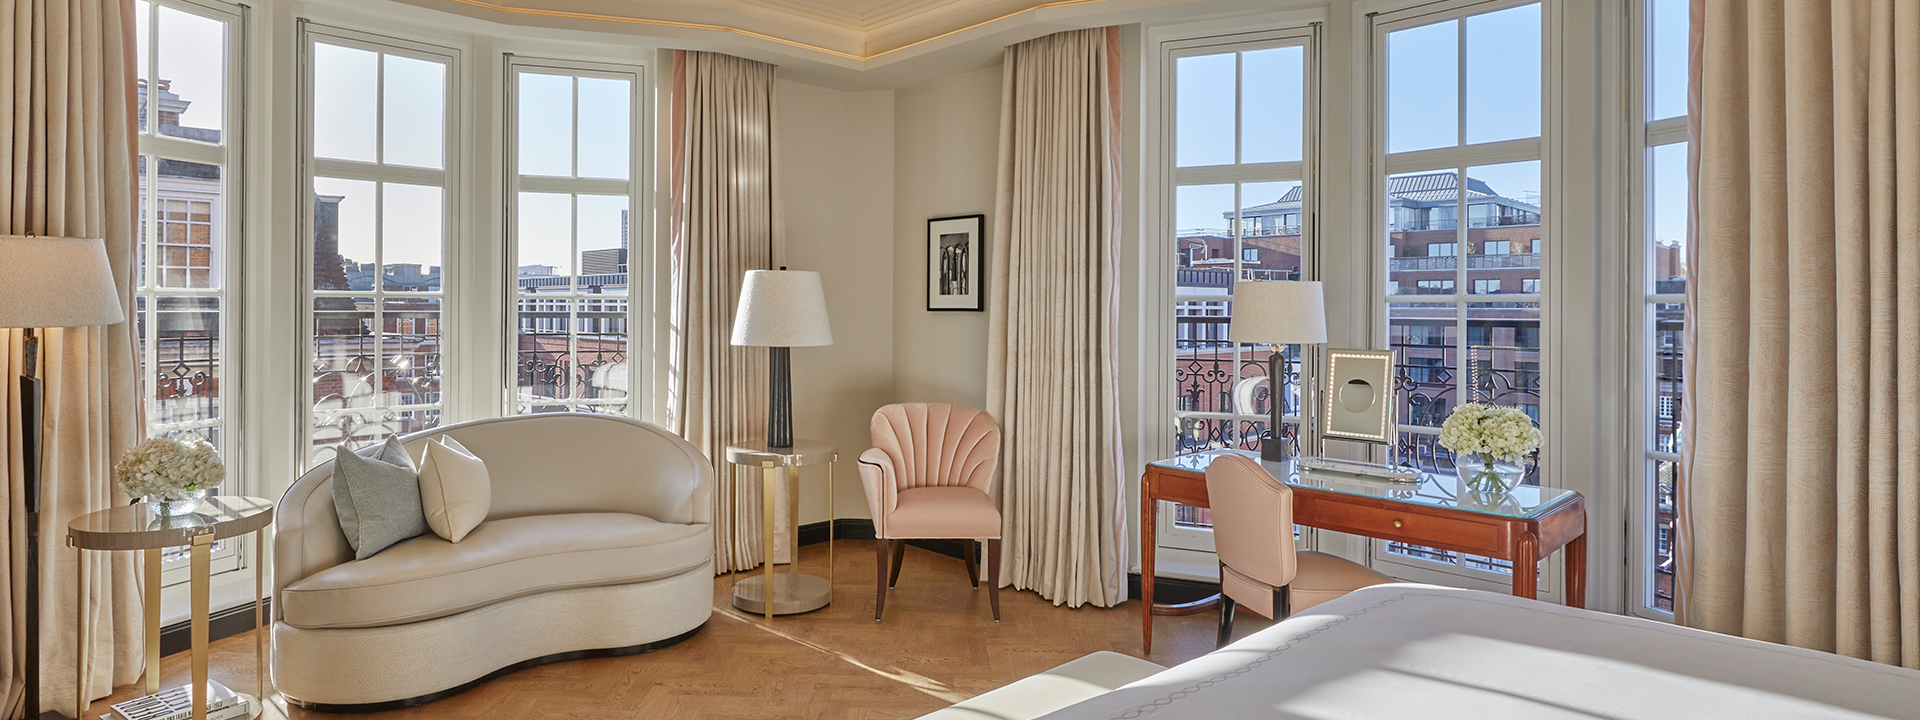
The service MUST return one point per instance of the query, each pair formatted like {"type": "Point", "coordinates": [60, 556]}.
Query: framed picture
{"type": "Point", "coordinates": [956, 263]}
{"type": "Point", "coordinates": [1359, 401]}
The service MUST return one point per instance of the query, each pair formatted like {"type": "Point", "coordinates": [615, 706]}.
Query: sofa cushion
{"type": "Point", "coordinates": [428, 577]}
{"type": "Point", "coordinates": [944, 512]}
{"type": "Point", "coordinates": [455, 490]}
{"type": "Point", "coordinates": [377, 495]}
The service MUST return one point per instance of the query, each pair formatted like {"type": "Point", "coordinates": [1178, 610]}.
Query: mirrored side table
{"type": "Point", "coordinates": [790, 592]}
{"type": "Point", "coordinates": [134, 527]}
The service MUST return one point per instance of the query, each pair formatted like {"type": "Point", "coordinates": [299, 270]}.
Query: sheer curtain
{"type": "Point", "coordinates": [66, 169]}
{"type": "Point", "coordinates": [1052, 366]}
{"type": "Point", "coordinates": [726, 221]}
{"type": "Point", "coordinates": [1800, 499]}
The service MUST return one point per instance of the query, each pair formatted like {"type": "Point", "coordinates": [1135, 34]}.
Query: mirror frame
{"type": "Point", "coordinates": [1375, 367]}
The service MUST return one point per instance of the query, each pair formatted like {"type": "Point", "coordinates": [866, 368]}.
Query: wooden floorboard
{"type": "Point", "coordinates": [938, 645]}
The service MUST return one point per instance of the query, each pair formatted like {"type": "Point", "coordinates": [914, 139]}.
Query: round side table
{"type": "Point", "coordinates": [790, 592]}
{"type": "Point", "coordinates": [133, 527]}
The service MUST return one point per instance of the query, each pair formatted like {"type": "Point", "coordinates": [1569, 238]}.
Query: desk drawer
{"type": "Point", "coordinates": [1405, 523]}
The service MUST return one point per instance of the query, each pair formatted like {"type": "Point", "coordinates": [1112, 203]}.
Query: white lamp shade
{"type": "Point", "coordinates": [1279, 312]}
{"type": "Point", "coordinates": [782, 308]}
{"type": "Point", "coordinates": [48, 282]}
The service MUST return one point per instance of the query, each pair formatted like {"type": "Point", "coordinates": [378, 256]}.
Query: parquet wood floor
{"type": "Point", "coordinates": [937, 645]}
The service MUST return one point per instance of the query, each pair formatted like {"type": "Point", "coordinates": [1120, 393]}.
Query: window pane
{"type": "Point", "coordinates": [191, 97]}
{"type": "Point", "coordinates": [602, 372]}
{"type": "Point", "coordinates": [1270, 231]}
{"type": "Point", "coordinates": [1203, 242]}
{"type": "Point", "coordinates": [1203, 110]}
{"type": "Point", "coordinates": [1423, 239]}
{"type": "Point", "coordinates": [1503, 355]}
{"type": "Point", "coordinates": [603, 244]}
{"type": "Point", "coordinates": [187, 246]}
{"type": "Point", "coordinates": [1272, 96]}
{"type": "Point", "coordinates": [1667, 58]}
{"type": "Point", "coordinates": [345, 102]}
{"type": "Point", "coordinates": [1668, 346]}
{"type": "Point", "coordinates": [1423, 82]}
{"type": "Point", "coordinates": [544, 234]}
{"type": "Point", "coordinates": [1426, 337]}
{"type": "Point", "coordinates": [545, 125]}
{"type": "Point", "coordinates": [344, 221]}
{"type": "Point", "coordinates": [413, 121]}
{"type": "Point", "coordinates": [606, 109]}
{"type": "Point", "coordinates": [1664, 533]}
{"type": "Point", "coordinates": [410, 351]}
{"type": "Point", "coordinates": [1504, 241]}
{"type": "Point", "coordinates": [345, 369]}
{"type": "Point", "coordinates": [186, 372]}
{"type": "Point", "coordinates": [410, 234]}
{"type": "Point", "coordinates": [1667, 198]}
{"type": "Point", "coordinates": [1503, 75]}
{"type": "Point", "coordinates": [543, 364]}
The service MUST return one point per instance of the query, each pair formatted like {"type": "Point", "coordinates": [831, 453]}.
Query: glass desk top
{"type": "Point", "coordinates": [1434, 489]}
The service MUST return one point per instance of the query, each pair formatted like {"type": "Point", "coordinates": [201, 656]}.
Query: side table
{"type": "Point", "coordinates": [790, 592]}
{"type": "Point", "coordinates": [133, 527]}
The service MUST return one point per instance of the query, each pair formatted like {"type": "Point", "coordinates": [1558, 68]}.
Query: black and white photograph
{"type": "Point", "coordinates": [956, 263]}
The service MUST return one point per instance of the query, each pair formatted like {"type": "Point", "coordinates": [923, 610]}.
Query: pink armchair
{"type": "Point", "coordinates": [929, 475]}
{"type": "Point", "coordinates": [1253, 535]}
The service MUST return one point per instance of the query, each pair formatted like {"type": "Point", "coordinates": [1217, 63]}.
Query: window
{"type": "Point", "coordinates": [1530, 286]}
{"type": "Point", "coordinates": [1662, 306]}
{"type": "Point", "coordinates": [380, 177]}
{"type": "Point", "coordinates": [1461, 137]}
{"type": "Point", "coordinates": [574, 191]}
{"type": "Point", "coordinates": [1237, 155]}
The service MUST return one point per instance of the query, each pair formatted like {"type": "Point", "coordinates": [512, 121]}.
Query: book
{"type": "Point", "coordinates": [177, 704]}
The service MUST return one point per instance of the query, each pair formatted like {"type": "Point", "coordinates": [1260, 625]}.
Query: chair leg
{"type": "Point", "coordinates": [880, 576]}
{"type": "Point", "coordinates": [973, 569]}
{"type": "Point", "coordinates": [993, 576]}
{"type": "Point", "coordinates": [1282, 602]}
{"type": "Point", "coordinates": [1226, 622]}
{"type": "Point", "coordinates": [899, 553]}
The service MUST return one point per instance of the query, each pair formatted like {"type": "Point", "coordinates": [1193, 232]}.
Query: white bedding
{"type": "Point", "coordinates": [1418, 651]}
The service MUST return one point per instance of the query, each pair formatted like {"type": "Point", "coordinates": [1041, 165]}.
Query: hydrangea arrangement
{"type": "Point", "coordinates": [170, 469]}
{"type": "Point", "coordinates": [1490, 431]}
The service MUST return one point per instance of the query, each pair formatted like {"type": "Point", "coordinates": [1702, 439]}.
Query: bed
{"type": "Point", "coordinates": [1419, 651]}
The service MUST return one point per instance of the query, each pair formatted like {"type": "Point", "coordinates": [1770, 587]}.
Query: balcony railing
{"type": "Point", "coordinates": [1222, 278]}
{"type": "Point", "coordinates": [1414, 264]}
{"type": "Point", "coordinates": [1498, 262]}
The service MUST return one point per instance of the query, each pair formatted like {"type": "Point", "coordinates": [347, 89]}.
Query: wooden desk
{"type": "Point", "coordinates": [1521, 536]}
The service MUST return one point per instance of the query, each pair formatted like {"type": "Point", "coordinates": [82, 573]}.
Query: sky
{"type": "Point", "coordinates": [192, 51]}
{"type": "Point", "coordinates": [1424, 103]}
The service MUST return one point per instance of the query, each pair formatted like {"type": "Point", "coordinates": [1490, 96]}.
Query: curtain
{"type": "Point", "coordinates": [1800, 500]}
{"type": "Point", "coordinates": [66, 169]}
{"type": "Point", "coordinates": [1052, 366]}
{"type": "Point", "coordinates": [726, 221]}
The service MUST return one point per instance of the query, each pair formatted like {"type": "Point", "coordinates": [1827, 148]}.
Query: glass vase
{"type": "Point", "coordinates": [1487, 475]}
{"type": "Point", "coordinates": [186, 502]}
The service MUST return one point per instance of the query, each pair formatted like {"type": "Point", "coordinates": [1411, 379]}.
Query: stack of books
{"type": "Point", "coordinates": [177, 704]}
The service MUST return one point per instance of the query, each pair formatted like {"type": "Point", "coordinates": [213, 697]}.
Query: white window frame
{"type": "Point", "coordinates": [453, 210]}
{"type": "Point", "coordinates": [1187, 552]}
{"type": "Point", "coordinates": [230, 157]}
{"type": "Point", "coordinates": [1460, 159]}
{"type": "Point", "coordinates": [636, 188]}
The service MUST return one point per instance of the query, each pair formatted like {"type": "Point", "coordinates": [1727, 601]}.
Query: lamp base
{"type": "Point", "coordinates": [1273, 443]}
{"type": "Point", "coordinates": [780, 398]}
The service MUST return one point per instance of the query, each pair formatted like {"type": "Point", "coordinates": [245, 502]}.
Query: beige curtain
{"type": "Point", "coordinates": [726, 221]}
{"type": "Point", "coordinates": [66, 154]}
{"type": "Point", "coordinates": [1052, 369]}
{"type": "Point", "coordinates": [1800, 504]}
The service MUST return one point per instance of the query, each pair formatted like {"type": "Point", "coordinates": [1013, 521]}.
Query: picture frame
{"type": "Point", "coordinates": [1359, 402]}
{"type": "Point", "coordinates": [956, 263]}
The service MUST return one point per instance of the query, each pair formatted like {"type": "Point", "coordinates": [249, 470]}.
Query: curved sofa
{"type": "Point", "coordinates": [599, 542]}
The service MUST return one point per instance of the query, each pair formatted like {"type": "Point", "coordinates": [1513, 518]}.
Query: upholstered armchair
{"type": "Point", "coordinates": [929, 475]}
{"type": "Point", "coordinates": [1253, 535]}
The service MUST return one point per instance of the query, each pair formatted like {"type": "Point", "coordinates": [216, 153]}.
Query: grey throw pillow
{"type": "Point", "coordinates": [377, 498]}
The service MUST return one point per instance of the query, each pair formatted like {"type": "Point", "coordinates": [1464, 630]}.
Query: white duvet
{"type": "Point", "coordinates": [1418, 651]}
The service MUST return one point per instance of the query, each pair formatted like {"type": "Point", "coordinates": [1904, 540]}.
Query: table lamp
{"type": "Point", "coordinates": [1279, 313]}
{"type": "Point", "coordinates": [781, 309]}
{"type": "Point", "coordinates": [47, 282]}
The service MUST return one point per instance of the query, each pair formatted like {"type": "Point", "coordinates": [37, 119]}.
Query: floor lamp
{"type": "Point", "coordinates": [1279, 313]}
{"type": "Point", "coordinates": [47, 282]}
{"type": "Point", "coordinates": [781, 309]}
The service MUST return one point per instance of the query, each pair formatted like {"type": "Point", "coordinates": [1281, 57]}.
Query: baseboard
{"type": "Point", "coordinates": [1173, 591]}
{"type": "Point", "coordinates": [232, 621]}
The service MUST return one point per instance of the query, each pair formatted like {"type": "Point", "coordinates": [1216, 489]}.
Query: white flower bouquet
{"type": "Point", "coordinates": [1482, 434]}
{"type": "Point", "coordinates": [168, 469]}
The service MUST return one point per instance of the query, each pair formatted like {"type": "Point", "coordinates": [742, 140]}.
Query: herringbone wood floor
{"type": "Point", "coordinates": [937, 645]}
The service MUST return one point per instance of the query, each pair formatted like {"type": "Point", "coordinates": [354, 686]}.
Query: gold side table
{"type": "Point", "coordinates": [790, 592]}
{"type": "Point", "coordinates": [133, 527]}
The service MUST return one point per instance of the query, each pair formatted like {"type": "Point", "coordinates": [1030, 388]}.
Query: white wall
{"type": "Point", "coordinates": [837, 177]}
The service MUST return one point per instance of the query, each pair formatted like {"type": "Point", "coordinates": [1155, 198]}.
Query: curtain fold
{"type": "Point", "coordinates": [1800, 494]}
{"type": "Point", "coordinates": [726, 220]}
{"type": "Point", "coordinates": [1052, 364]}
{"type": "Point", "coordinates": [66, 169]}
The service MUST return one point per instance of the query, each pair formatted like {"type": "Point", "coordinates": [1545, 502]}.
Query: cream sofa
{"type": "Point", "coordinates": [599, 542]}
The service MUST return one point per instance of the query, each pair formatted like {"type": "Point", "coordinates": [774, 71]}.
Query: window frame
{"type": "Point", "coordinates": [454, 203]}
{"type": "Point", "coordinates": [638, 191]}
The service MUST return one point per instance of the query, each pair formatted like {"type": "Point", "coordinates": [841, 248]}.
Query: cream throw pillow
{"type": "Point", "coordinates": [455, 492]}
